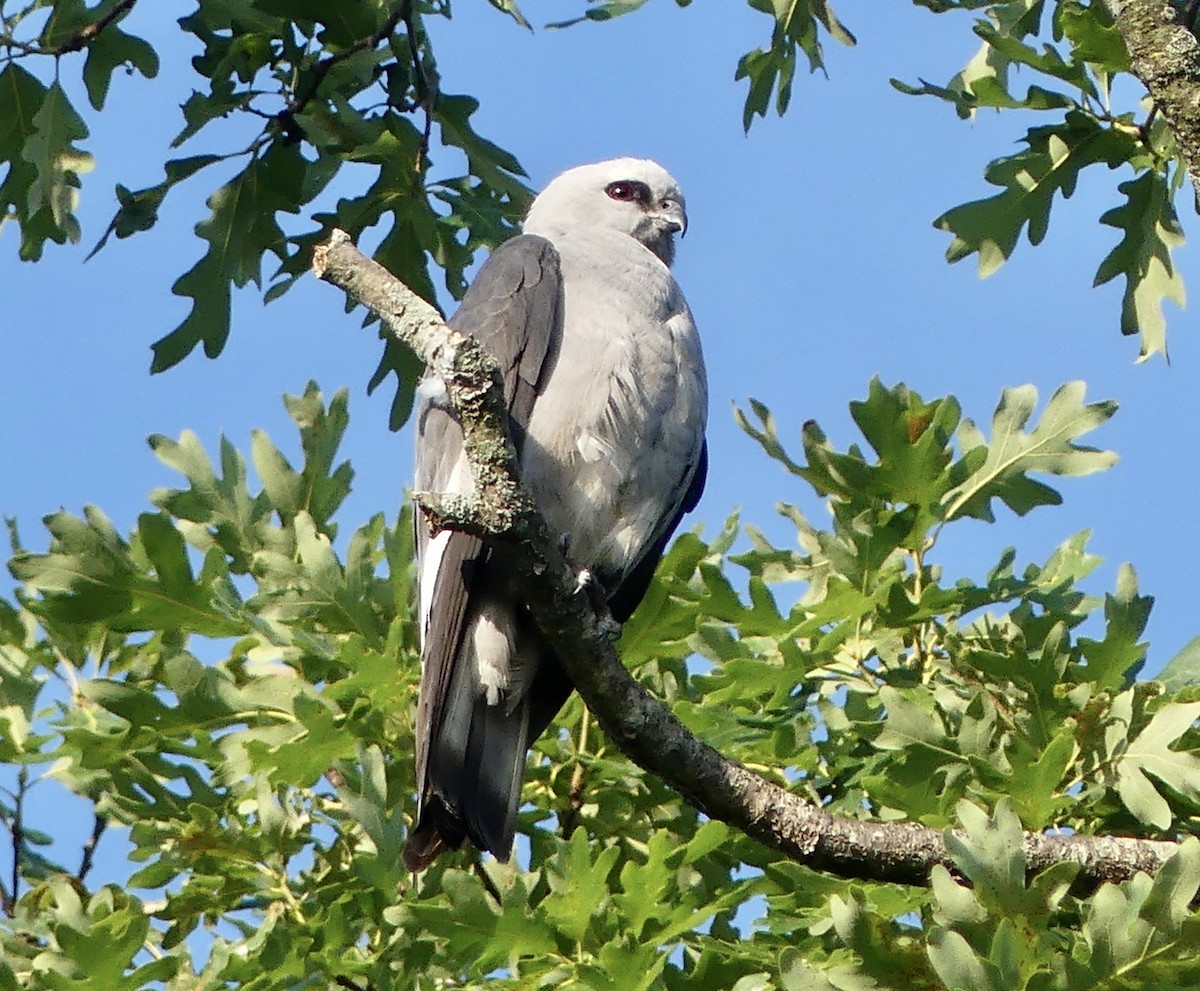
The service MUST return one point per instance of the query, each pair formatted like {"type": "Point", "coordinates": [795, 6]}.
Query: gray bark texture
{"type": "Point", "coordinates": [581, 631]}
{"type": "Point", "coordinates": [1165, 56]}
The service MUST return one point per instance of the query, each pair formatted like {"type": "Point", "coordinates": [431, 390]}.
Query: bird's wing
{"type": "Point", "coordinates": [513, 308]}
{"type": "Point", "coordinates": [624, 599]}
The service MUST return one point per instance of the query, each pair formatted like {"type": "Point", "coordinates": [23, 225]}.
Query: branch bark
{"type": "Point", "coordinates": [76, 41]}
{"type": "Point", "coordinates": [1165, 56]}
{"type": "Point", "coordinates": [580, 632]}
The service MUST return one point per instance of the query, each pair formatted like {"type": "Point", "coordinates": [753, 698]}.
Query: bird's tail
{"type": "Point", "coordinates": [473, 779]}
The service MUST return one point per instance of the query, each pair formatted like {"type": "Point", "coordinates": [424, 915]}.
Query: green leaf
{"type": "Point", "coordinates": [985, 80]}
{"type": "Point", "coordinates": [54, 163]}
{"type": "Point", "coordinates": [1048, 61]}
{"type": "Point", "coordinates": [21, 96]}
{"type": "Point", "coordinates": [1169, 903]}
{"type": "Point", "coordinates": [1012, 453]}
{"type": "Point", "coordinates": [138, 209]}
{"type": "Point", "coordinates": [1113, 662]}
{"type": "Point", "coordinates": [597, 10]}
{"type": "Point", "coordinates": [91, 575]}
{"type": "Point", "coordinates": [510, 7]}
{"type": "Point", "coordinates": [1184, 668]}
{"type": "Point", "coordinates": [1095, 38]}
{"type": "Point", "coordinates": [578, 885]}
{"type": "Point", "coordinates": [1036, 787]}
{"type": "Point", "coordinates": [798, 25]}
{"type": "Point", "coordinates": [1057, 153]}
{"type": "Point", "coordinates": [990, 853]}
{"type": "Point", "coordinates": [499, 170]}
{"type": "Point", "coordinates": [1150, 755]}
{"type": "Point", "coordinates": [986, 93]}
{"type": "Point", "coordinates": [201, 109]}
{"type": "Point", "coordinates": [1150, 232]}
{"type": "Point", "coordinates": [344, 23]}
{"type": "Point", "coordinates": [958, 966]}
{"type": "Point", "coordinates": [109, 50]}
{"type": "Point", "coordinates": [240, 230]}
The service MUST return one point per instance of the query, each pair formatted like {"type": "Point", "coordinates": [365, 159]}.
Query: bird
{"type": "Point", "coordinates": [607, 396]}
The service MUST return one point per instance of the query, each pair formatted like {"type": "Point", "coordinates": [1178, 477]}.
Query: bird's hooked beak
{"type": "Point", "coordinates": [658, 227]}
{"type": "Point", "coordinates": [672, 217]}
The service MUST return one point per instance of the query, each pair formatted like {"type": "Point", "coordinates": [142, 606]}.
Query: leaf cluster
{"type": "Point", "coordinates": [290, 93]}
{"type": "Point", "coordinates": [235, 695]}
{"type": "Point", "coordinates": [1075, 60]}
{"type": "Point", "coordinates": [299, 90]}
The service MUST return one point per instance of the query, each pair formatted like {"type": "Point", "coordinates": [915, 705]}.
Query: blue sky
{"type": "Point", "coordinates": [810, 265]}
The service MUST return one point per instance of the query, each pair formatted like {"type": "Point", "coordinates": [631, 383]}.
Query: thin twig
{"type": "Point", "coordinates": [287, 117]}
{"type": "Point", "coordinates": [425, 96]}
{"type": "Point", "coordinates": [88, 32]}
{"type": "Point", "coordinates": [75, 42]}
{"type": "Point", "coordinates": [7, 902]}
{"type": "Point", "coordinates": [17, 831]}
{"type": "Point", "coordinates": [1144, 126]}
{"type": "Point", "coordinates": [99, 824]}
{"type": "Point", "coordinates": [575, 795]}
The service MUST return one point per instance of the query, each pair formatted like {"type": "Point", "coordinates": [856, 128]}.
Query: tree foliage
{"type": "Point", "coordinates": [234, 697]}
{"type": "Point", "coordinates": [300, 90]}
{"type": "Point", "coordinates": [238, 697]}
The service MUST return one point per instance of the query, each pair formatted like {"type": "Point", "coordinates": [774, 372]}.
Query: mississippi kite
{"type": "Point", "coordinates": [605, 385]}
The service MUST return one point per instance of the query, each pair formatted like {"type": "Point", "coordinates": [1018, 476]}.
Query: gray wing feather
{"type": "Point", "coordinates": [513, 308]}
{"type": "Point", "coordinates": [624, 599]}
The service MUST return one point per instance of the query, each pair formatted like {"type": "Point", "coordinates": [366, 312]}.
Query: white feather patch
{"type": "Point", "coordinates": [435, 550]}
{"type": "Point", "coordinates": [492, 649]}
{"type": "Point", "coordinates": [432, 389]}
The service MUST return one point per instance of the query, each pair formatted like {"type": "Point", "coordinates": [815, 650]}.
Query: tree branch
{"type": "Point", "coordinates": [1165, 56]}
{"type": "Point", "coordinates": [580, 634]}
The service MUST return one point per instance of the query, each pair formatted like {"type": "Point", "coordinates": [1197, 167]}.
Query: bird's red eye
{"type": "Point", "coordinates": [628, 190]}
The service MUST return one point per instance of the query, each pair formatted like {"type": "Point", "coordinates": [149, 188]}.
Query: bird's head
{"type": "Point", "coordinates": [631, 195]}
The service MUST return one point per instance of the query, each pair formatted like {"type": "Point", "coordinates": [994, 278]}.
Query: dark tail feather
{"type": "Point", "coordinates": [473, 780]}
{"type": "Point", "coordinates": [494, 768]}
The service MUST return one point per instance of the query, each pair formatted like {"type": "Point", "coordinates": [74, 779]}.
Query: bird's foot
{"type": "Point", "coordinates": [586, 583]}
{"type": "Point", "coordinates": [610, 629]}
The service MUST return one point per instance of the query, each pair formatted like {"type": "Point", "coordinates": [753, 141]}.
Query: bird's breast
{"type": "Point", "coordinates": [621, 416]}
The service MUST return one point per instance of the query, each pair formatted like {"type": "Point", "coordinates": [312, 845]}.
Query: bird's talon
{"type": "Point", "coordinates": [610, 629]}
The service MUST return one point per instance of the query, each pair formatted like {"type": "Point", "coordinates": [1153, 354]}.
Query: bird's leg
{"type": "Point", "coordinates": [588, 584]}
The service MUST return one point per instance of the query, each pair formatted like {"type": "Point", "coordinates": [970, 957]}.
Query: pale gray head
{"type": "Point", "coordinates": [634, 196]}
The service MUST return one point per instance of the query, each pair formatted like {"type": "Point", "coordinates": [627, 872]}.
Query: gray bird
{"type": "Point", "coordinates": [605, 385]}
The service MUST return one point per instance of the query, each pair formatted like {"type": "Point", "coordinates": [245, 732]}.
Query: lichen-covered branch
{"type": "Point", "coordinates": [579, 630]}
{"type": "Point", "coordinates": [472, 383]}
{"type": "Point", "coordinates": [1165, 56]}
